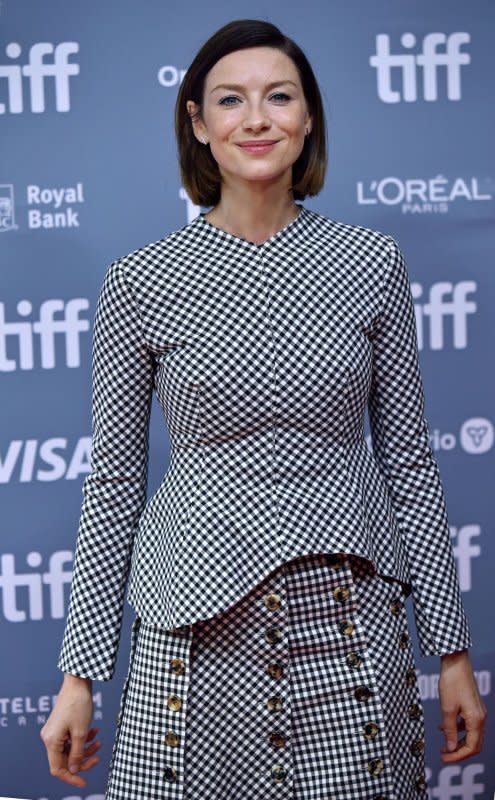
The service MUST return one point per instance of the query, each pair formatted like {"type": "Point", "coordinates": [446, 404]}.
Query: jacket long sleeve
{"type": "Point", "coordinates": [401, 446]}
{"type": "Point", "coordinates": [115, 491]}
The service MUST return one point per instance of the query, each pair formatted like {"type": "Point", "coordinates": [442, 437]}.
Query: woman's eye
{"type": "Point", "coordinates": [225, 101]}
{"type": "Point", "coordinates": [232, 100]}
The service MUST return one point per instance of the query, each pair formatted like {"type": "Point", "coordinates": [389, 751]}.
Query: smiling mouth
{"type": "Point", "coordinates": [258, 147]}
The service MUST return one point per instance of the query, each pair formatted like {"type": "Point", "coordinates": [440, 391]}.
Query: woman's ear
{"type": "Point", "coordinates": [194, 112]}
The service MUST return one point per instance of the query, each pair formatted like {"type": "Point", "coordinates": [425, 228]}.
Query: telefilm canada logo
{"type": "Point", "coordinates": [33, 710]}
{"type": "Point", "coordinates": [422, 195]}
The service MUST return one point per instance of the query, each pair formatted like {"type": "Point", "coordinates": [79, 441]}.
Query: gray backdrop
{"type": "Point", "coordinates": [88, 172]}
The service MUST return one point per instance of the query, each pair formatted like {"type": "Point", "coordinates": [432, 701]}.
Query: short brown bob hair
{"type": "Point", "coordinates": [199, 171]}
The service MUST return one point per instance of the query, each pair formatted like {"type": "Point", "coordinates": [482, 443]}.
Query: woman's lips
{"type": "Point", "coordinates": [258, 147]}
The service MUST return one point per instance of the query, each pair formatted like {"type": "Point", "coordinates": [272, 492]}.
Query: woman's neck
{"type": "Point", "coordinates": [254, 216]}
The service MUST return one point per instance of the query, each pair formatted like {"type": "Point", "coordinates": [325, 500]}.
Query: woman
{"type": "Point", "coordinates": [270, 654]}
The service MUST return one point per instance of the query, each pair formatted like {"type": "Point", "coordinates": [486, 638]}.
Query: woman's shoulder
{"type": "Point", "coordinates": [155, 258]}
{"type": "Point", "coordinates": [154, 251]}
{"type": "Point", "coordinates": [346, 233]}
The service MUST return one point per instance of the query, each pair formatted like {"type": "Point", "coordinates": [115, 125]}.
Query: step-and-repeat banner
{"type": "Point", "coordinates": [88, 173]}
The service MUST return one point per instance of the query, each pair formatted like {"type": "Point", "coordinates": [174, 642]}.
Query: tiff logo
{"type": "Point", "coordinates": [465, 551]}
{"type": "Point", "coordinates": [447, 301]}
{"type": "Point", "coordinates": [17, 587]}
{"type": "Point", "coordinates": [459, 783]}
{"type": "Point", "coordinates": [45, 61]}
{"type": "Point", "coordinates": [56, 318]}
{"type": "Point", "coordinates": [439, 50]}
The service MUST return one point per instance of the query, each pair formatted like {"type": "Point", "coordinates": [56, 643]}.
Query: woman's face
{"type": "Point", "coordinates": [253, 96]}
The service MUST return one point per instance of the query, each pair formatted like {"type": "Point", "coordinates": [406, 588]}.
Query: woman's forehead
{"type": "Point", "coordinates": [252, 65]}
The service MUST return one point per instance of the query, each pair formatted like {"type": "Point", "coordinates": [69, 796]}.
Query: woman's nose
{"type": "Point", "coordinates": [255, 119]}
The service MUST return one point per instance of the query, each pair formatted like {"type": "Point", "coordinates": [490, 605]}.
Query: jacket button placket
{"type": "Point", "coordinates": [276, 773]}
{"type": "Point", "coordinates": [175, 666]}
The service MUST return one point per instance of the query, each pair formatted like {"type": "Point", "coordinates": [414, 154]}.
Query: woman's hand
{"type": "Point", "coordinates": [462, 708]}
{"type": "Point", "coordinates": [68, 739]}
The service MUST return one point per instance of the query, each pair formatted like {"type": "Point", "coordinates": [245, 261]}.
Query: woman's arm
{"type": "Point", "coordinates": [114, 494]}
{"type": "Point", "coordinates": [402, 450]}
{"type": "Point", "coordinates": [115, 490]}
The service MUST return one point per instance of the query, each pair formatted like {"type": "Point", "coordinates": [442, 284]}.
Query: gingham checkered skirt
{"type": "Point", "coordinates": [304, 690]}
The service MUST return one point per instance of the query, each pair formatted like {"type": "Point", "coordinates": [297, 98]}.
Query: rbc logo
{"type": "Point", "coordinates": [7, 207]}
{"type": "Point", "coordinates": [69, 325]}
{"type": "Point", "coordinates": [37, 70]}
{"type": "Point", "coordinates": [429, 60]}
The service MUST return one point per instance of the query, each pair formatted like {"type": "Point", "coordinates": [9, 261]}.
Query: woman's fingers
{"type": "Point", "coordinates": [58, 754]}
{"type": "Point", "coordinates": [68, 754]}
{"type": "Point", "coordinates": [470, 745]}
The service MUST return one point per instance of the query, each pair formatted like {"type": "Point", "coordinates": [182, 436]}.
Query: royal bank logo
{"type": "Point", "coordinates": [422, 195]}
{"type": "Point", "coordinates": [46, 208]}
{"type": "Point", "coordinates": [7, 208]}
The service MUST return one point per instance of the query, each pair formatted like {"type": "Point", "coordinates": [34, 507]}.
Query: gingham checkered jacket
{"type": "Point", "coordinates": [264, 358]}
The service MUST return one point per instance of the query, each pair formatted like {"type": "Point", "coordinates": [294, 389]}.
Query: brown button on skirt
{"type": "Point", "coordinates": [300, 691]}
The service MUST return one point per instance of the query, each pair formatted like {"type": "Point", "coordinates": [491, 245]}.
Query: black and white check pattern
{"type": "Point", "coordinates": [264, 358]}
{"type": "Point", "coordinates": [340, 720]}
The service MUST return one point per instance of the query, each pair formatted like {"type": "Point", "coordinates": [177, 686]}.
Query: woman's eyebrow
{"type": "Point", "coordinates": [237, 87]}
